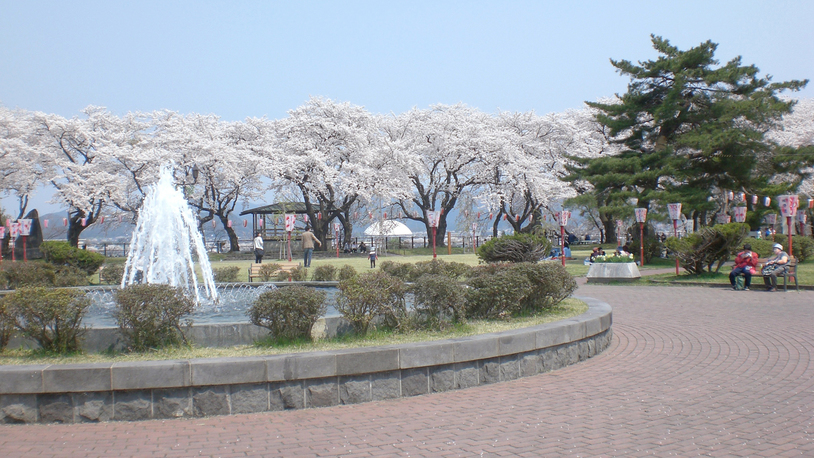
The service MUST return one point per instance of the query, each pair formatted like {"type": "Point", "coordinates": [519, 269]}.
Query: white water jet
{"type": "Point", "coordinates": [163, 243]}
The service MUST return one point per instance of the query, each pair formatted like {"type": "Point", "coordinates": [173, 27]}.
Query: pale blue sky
{"type": "Point", "coordinates": [241, 59]}
{"type": "Point", "coordinates": [251, 58]}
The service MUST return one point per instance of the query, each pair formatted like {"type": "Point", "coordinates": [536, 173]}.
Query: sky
{"type": "Point", "coordinates": [240, 59]}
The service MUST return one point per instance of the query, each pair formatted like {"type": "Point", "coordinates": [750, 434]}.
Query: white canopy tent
{"type": "Point", "coordinates": [381, 229]}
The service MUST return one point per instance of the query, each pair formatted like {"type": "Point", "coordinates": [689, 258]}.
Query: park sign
{"type": "Point", "coordinates": [675, 211]}
{"type": "Point", "coordinates": [788, 205]}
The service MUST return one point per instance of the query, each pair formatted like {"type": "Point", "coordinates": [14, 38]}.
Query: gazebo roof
{"type": "Point", "coordinates": [280, 207]}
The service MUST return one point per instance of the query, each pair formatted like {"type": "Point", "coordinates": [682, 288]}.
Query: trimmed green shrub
{"type": "Point", "coordinates": [299, 273]}
{"type": "Point", "coordinates": [763, 247]}
{"type": "Point", "coordinates": [364, 297]}
{"type": "Point", "coordinates": [149, 315]}
{"type": "Point", "coordinates": [226, 274]}
{"type": "Point", "coordinates": [283, 275]}
{"type": "Point", "coordinates": [549, 283]}
{"type": "Point", "coordinates": [401, 270]}
{"type": "Point", "coordinates": [439, 301]}
{"type": "Point", "coordinates": [288, 312]}
{"type": "Point", "coordinates": [519, 247]}
{"type": "Point", "coordinates": [268, 270]}
{"type": "Point", "coordinates": [325, 273]}
{"type": "Point", "coordinates": [65, 276]}
{"type": "Point", "coordinates": [63, 254]}
{"type": "Point", "coordinates": [346, 272]}
{"type": "Point", "coordinates": [6, 325]}
{"type": "Point", "coordinates": [496, 295]}
{"type": "Point", "coordinates": [52, 317]}
{"type": "Point", "coordinates": [709, 246]}
{"type": "Point", "coordinates": [452, 270]}
{"type": "Point", "coordinates": [27, 274]}
{"type": "Point", "coordinates": [112, 273]}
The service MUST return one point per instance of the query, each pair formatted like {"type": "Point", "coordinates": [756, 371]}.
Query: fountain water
{"type": "Point", "coordinates": [163, 243]}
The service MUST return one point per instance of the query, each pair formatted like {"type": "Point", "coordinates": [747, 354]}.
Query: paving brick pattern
{"type": "Point", "coordinates": [691, 371]}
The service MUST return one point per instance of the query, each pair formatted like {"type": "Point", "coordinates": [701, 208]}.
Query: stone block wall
{"type": "Point", "coordinates": [223, 386]}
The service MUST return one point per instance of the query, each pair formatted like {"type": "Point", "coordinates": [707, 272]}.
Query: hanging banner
{"type": "Point", "coordinates": [64, 221]}
{"type": "Point", "coordinates": [740, 214]}
{"type": "Point", "coordinates": [788, 205]}
{"type": "Point", "coordinates": [229, 223]}
{"type": "Point", "coordinates": [44, 224]}
{"type": "Point", "coordinates": [674, 210]}
{"type": "Point", "coordinates": [14, 230]}
{"type": "Point", "coordinates": [290, 222]}
{"type": "Point", "coordinates": [84, 222]}
{"type": "Point", "coordinates": [801, 216]}
{"type": "Point", "coordinates": [562, 217]}
{"type": "Point", "coordinates": [433, 217]}
{"type": "Point", "coordinates": [245, 223]}
{"type": "Point", "coordinates": [641, 214]}
{"type": "Point", "coordinates": [337, 227]}
{"type": "Point", "coordinates": [102, 219]}
{"type": "Point", "coordinates": [771, 218]}
{"type": "Point", "coordinates": [25, 227]}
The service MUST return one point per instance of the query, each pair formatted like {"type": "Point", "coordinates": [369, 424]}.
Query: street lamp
{"type": "Point", "coordinates": [641, 217]}
{"type": "Point", "coordinates": [675, 214]}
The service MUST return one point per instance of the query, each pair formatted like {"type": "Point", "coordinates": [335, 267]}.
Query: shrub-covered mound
{"type": "Point", "coordinates": [519, 247]}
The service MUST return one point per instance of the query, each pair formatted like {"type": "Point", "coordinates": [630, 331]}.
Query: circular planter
{"type": "Point", "coordinates": [613, 271]}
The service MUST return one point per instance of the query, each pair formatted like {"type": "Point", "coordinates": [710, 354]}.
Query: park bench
{"type": "Point", "coordinates": [254, 269]}
{"type": "Point", "coordinates": [791, 272]}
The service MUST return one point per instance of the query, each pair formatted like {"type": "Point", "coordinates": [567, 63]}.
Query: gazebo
{"type": "Point", "coordinates": [273, 226]}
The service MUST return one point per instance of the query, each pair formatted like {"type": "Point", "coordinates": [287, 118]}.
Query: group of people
{"type": "Point", "coordinates": [746, 264]}
{"type": "Point", "coordinates": [308, 241]}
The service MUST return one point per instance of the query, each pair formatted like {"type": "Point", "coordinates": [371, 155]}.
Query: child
{"type": "Point", "coordinates": [373, 257]}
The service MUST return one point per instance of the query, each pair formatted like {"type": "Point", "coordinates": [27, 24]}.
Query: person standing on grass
{"type": "Point", "coordinates": [373, 257]}
{"type": "Point", "coordinates": [745, 264]}
{"type": "Point", "coordinates": [259, 251]}
{"type": "Point", "coordinates": [308, 241]}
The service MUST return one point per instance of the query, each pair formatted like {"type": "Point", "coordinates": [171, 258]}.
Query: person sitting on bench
{"type": "Point", "coordinates": [745, 264]}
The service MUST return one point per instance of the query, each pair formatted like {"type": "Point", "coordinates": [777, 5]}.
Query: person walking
{"type": "Point", "coordinates": [775, 266]}
{"type": "Point", "coordinates": [373, 257]}
{"type": "Point", "coordinates": [259, 251]}
{"type": "Point", "coordinates": [745, 264]}
{"type": "Point", "coordinates": [308, 240]}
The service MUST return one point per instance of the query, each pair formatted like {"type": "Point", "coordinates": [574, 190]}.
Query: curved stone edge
{"type": "Point", "coordinates": [75, 393]}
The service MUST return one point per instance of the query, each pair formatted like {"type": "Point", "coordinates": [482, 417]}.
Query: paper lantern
{"type": "Point", "coordinates": [385, 215]}
{"type": "Point", "coordinates": [641, 214]}
{"type": "Point", "coordinates": [730, 195]}
{"type": "Point", "coordinates": [491, 215]}
{"type": "Point", "coordinates": [84, 222]}
{"type": "Point", "coordinates": [517, 218]}
{"type": "Point", "coordinates": [260, 222]}
{"type": "Point", "coordinates": [229, 223]}
{"type": "Point", "coordinates": [754, 199]}
{"type": "Point", "coordinates": [674, 210]}
{"type": "Point", "coordinates": [64, 221]}
{"type": "Point", "coordinates": [245, 223]}
{"type": "Point", "coordinates": [767, 201]}
{"type": "Point", "coordinates": [44, 224]}
{"type": "Point", "coordinates": [102, 219]}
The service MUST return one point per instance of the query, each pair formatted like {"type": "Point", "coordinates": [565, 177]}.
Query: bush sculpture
{"type": "Point", "coordinates": [519, 247]}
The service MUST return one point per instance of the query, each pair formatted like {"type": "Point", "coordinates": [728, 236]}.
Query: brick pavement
{"type": "Point", "coordinates": [691, 371]}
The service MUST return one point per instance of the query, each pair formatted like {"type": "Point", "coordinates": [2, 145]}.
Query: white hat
{"type": "Point", "coordinates": [778, 246]}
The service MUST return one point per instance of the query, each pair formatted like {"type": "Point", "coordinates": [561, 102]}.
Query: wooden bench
{"type": "Point", "coordinates": [791, 272]}
{"type": "Point", "coordinates": [254, 269]}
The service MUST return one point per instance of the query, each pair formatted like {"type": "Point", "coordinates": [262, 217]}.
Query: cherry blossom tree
{"type": "Point", "coordinates": [21, 170]}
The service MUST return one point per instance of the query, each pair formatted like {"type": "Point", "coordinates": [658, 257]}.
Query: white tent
{"type": "Point", "coordinates": [388, 229]}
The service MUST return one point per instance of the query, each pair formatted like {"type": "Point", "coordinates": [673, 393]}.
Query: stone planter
{"type": "Point", "coordinates": [612, 271]}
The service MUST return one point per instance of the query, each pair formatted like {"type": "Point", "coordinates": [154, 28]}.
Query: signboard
{"type": "Point", "coordinates": [290, 222]}
{"type": "Point", "coordinates": [788, 205]}
{"type": "Point", "coordinates": [641, 214]}
{"type": "Point", "coordinates": [562, 217]}
{"type": "Point", "coordinates": [25, 227]}
{"type": "Point", "coordinates": [674, 210]}
{"type": "Point", "coordinates": [433, 217]}
{"type": "Point", "coordinates": [740, 214]}
{"type": "Point", "coordinates": [14, 229]}
{"type": "Point", "coordinates": [337, 227]}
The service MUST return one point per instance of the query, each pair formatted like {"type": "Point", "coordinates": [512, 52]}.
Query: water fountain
{"type": "Point", "coordinates": [164, 241]}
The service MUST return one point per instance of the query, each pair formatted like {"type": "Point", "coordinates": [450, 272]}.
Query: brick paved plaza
{"type": "Point", "coordinates": [691, 371]}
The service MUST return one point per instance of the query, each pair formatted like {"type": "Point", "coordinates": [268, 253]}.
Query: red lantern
{"type": "Point", "coordinates": [810, 203]}
{"type": "Point", "coordinates": [84, 222]}
{"type": "Point", "coordinates": [517, 218]}
{"type": "Point", "coordinates": [478, 215]}
{"type": "Point", "coordinates": [228, 223]}
{"type": "Point", "coordinates": [245, 223]}
{"type": "Point", "coordinates": [385, 215]}
{"type": "Point", "coordinates": [490, 216]}
{"type": "Point", "coordinates": [64, 222]}
{"type": "Point", "coordinates": [754, 199]}
{"type": "Point", "coordinates": [45, 224]}
{"type": "Point", "coordinates": [102, 219]}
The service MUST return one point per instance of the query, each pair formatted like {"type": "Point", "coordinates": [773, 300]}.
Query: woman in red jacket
{"type": "Point", "coordinates": [745, 264]}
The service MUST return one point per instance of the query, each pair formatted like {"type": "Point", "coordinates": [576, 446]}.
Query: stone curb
{"type": "Point", "coordinates": [216, 386]}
